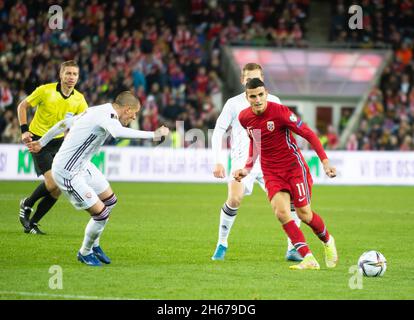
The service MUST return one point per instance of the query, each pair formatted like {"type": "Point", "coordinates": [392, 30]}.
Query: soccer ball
{"type": "Point", "coordinates": [372, 264]}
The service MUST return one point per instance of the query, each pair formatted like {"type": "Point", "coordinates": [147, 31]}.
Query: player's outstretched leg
{"type": "Point", "coordinates": [26, 205]}
{"type": "Point", "coordinates": [93, 230]}
{"type": "Point", "coordinates": [291, 253]}
{"type": "Point", "coordinates": [43, 207]}
{"type": "Point", "coordinates": [110, 202]}
{"type": "Point", "coordinates": [280, 202]}
{"type": "Point", "coordinates": [298, 240]}
{"type": "Point", "coordinates": [227, 217]}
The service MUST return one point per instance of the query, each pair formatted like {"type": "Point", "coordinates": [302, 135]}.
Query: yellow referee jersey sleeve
{"type": "Point", "coordinates": [52, 106]}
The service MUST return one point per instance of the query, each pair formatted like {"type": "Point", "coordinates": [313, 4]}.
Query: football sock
{"type": "Point", "coordinates": [319, 228]}
{"type": "Point", "coordinates": [297, 237]}
{"type": "Point", "coordinates": [93, 230]}
{"type": "Point", "coordinates": [96, 242]}
{"type": "Point", "coordinates": [43, 207]}
{"type": "Point", "coordinates": [227, 217]}
{"type": "Point", "coordinates": [38, 193]}
{"type": "Point", "coordinates": [110, 203]}
{"type": "Point", "coordinates": [297, 221]}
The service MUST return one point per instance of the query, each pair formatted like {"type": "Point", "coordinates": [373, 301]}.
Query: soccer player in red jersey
{"type": "Point", "coordinates": [286, 174]}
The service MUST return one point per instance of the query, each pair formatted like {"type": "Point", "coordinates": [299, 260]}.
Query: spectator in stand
{"type": "Point", "coordinates": [11, 133]}
{"type": "Point", "coordinates": [6, 97]}
{"type": "Point", "coordinates": [407, 143]}
{"type": "Point", "coordinates": [6, 118]}
{"type": "Point", "coordinates": [332, 138]}
{"type": "Point", "coordinates": [352, 144]}
{"type": "Point", "coordinates": [346, 115]}
{"type": "Point", "coordinates": [150, 114]}
{"type": "Point", "coordinates": [404, 53]}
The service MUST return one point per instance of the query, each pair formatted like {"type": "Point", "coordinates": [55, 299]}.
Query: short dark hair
{"type": "Point", "coordinates": [254, 83]}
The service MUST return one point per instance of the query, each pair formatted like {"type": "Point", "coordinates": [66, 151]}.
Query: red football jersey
{"type": "Point", "coordinates": [271, 138]}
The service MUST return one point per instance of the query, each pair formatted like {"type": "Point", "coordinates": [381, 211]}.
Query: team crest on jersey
{"type": "Point", "coordinates": [293, 118]}
{"type": "Point", "coordinates": [270, 125]}
{"type": "Point", "coordinates": [88, 195]}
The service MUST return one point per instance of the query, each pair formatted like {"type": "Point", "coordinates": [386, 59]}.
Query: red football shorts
{"type": "Point", "coordinates": [297, 182]}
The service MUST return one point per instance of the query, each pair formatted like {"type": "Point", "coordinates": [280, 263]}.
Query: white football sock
{"type": "Point", "coordinates": [297, 221]}
{"type": "Point", "coordinates": [93, 231]}
{"type": "Point", "coordinates": [110, 203]}
{"type": "Point", "coordinates": [96, 242]}
{"type": "Point", "coordinates": [227, 217]}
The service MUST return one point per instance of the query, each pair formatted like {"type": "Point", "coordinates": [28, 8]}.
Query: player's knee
{"type": "Point", "coordinates": [304, 215]}
{"type": "Point", "coordinates": [50, 185]}
{"type": "Point", "coordinates": [282, 215]}
{"type": "Point", "coordinates": [55, 193]}
{"type": "Point", "coordinates": [234, 201]}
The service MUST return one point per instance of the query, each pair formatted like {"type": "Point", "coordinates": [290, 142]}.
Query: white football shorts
{"type": "Point", "coordinates": [82, 189]}
{"type": "Point", "coordinates": [255, 175]}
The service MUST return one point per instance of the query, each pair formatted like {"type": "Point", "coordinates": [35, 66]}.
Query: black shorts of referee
{"type": "Point", "coordinates": [44, 158]}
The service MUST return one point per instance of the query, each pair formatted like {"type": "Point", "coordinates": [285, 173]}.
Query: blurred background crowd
{"type": "Point", "coordinates": [388, 116]}
{"type": "Point", "coordinates": [169, 53]}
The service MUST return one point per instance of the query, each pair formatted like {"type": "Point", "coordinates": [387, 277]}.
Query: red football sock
{"type": "Point", "coordinates": [319, 228]}
{"type": "Point", "coordinates": [296, 236]}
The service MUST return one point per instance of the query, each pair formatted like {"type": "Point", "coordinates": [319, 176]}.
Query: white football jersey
{"type": "Point", "coordinates": [229, 116]}
{"type": "Point", "coordinates": [88, 131]}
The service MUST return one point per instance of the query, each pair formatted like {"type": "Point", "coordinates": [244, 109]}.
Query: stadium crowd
{"type": "Point", "coordinates": [388, 116]}
{"type": "Point", "coordinates": [168, 53]}
{"type": "Point", "coordinates": [171, 62]}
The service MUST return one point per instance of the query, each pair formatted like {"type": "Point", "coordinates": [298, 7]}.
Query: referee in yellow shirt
{"type": "Point", "coordinates": [54, 102]}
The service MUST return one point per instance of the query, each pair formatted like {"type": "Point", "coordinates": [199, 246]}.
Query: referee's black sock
{"type": "Point", "coordinates": [43, 207]}
{"type": "Point", "coordinates": [38, 193]}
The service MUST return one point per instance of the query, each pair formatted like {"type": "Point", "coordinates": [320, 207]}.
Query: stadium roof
{"type": "Point", "coordinates": [315, 73]}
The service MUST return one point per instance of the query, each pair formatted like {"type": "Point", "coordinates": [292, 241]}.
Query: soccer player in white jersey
{"type": "Point", "coordinates": [83, 184]}
{"type": "Point", "coordinates": [239, 153]}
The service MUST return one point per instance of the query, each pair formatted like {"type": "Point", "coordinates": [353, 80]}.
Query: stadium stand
{"type": "Point", "coordinates": [388, 118]}
{"type": "Point", "coordinates": [171, 62]}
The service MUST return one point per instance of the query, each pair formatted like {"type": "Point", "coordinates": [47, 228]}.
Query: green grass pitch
{"type": "Point", "coordinates": [161, 237]}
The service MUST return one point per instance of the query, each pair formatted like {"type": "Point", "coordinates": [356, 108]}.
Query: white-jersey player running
{"type": "Point", "coordinates": [83, 184]}
{"type": "Point", "coordinates": [239, 154]}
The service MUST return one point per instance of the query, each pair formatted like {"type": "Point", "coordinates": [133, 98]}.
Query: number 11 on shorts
{"type": "Point", "coordinates": [301, 189]}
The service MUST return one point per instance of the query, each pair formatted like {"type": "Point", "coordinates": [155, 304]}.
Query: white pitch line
{"type": "Point", "coordinates": [65, 296]}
